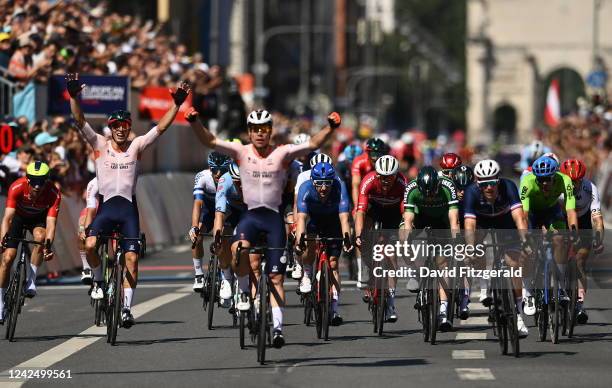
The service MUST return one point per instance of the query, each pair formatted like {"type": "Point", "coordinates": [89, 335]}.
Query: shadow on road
{"type": "Point", "coordinates": [165, 340]}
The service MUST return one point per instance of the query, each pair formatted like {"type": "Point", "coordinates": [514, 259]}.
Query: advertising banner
{"type": "Point", "coordinates": [155, 102]}
{"type": "Point", "coordinates": [102, 95]}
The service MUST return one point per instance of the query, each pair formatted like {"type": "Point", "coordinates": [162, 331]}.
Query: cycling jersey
{"type": "Point", "coordinates": [343, 170]}
{"type": "Point", "coordinates": [435, 207]}
{"type": "Point", "coordinates": [204, 187]}
{"type": "Point", "coordinates": [305, 177]}
{"type": "Point", "coordinates": [263, 178]}
{"type": "Point", "coordinates": [361, 165]}
{"type": "Point", "coordinates": [19, 197]}
{"type": "Point", "coordinates": [228, 195]}
{"type": "Point", "coordinates": [311, 203]}
{"type": "Point", "coordinates": [117, 171]}
{"type": "Point", "coordinates": [587, 199]}
{"type": "Point", "coordinates": [477, 207]}
{"type": "Point", "coordinates": [92, 194]}
{"type": "Point", "coordinates": [534, 199]}
{"type": "Point", "coordinates": [371, 192]}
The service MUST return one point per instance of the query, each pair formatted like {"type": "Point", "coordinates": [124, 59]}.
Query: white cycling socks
{"type": "Point", "coordinates": [243, 284]}
{"type": "Point", "coordinates": [226, 273]}
{"type": "Point", "coordinates": [97, 273]}
{"type": "Point", "coordinates": [128, 295]}
{"type": "Point", "coordinates": [335, 300]}
{"type": "Point", "coordinates": [83, 256]}
{"type": "Point", "coordinates": [197, 266]}
{"type": "Point", "coordinates": [32, 278]}
{"type": "Point", "coordinates": [443, 306]}
{"type": "Point", "coordinates": [277, 318]}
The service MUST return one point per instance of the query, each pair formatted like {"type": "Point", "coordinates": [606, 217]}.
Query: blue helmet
{"type": "Point", "coordinates": [322, 171]}
{"type": "Point", "coordinates": [217, 160]}
{"type": "Point", "coordinates": [352, 151]}
{"type": "Point", "coordinates": [545, 166]}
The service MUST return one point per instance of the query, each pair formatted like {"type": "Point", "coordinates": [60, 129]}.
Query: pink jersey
{"type": "Point", "coordinates": [117, 171]}
{"type": "Point", "coordinates": [263, 179]}
{"type": "Point", "coordinates": [92, 194]}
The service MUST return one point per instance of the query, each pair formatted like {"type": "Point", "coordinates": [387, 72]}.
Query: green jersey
{"type": "Point", "coordinates": [534, 199]}
{"type": "Point", "coordinates": [435, 207]}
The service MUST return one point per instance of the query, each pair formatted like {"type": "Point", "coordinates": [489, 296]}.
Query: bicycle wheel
{"type": "Point", "coordinates": [452, 299]}
{"type": "Point", "coordinates": [9, 296]}
{"type": "Point", "coordinates": [511, 317]}
{"type": "Point", "coordinates": [373, 306]}
{"type": "Point", "coordinates": [541, 316]}
{"type": "Point", "coordinates": [324, 300]}
{"type": "Point", "coordinates": [553, 303]}
{"type": "Point", "coordinates": [16, 298]}
{"type": "Point", "coordinates": [263, 318]}
{"type": "Point", "coordinates": [434, 308]}
{"type": "Point", "coordinates": [109, 295]}
{"type": "Point", "coordinates": [424, 311]}
{"type": "Point", "coordinates": [308, 308]}
{"type": "Point", "coordinates": [242, 328]}
{"type": "Point", "coordinates": [573, 295]}
{"type": "Point", "coordinates": [117, 300]}
{"type": "Point", "coordinates": [382, 306]}
{"type": "Point", "coordinates": [500, 324]}
{"type": "Point", "coordinates": [213, 275]}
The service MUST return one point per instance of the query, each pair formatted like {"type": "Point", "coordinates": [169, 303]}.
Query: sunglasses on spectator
{"type": "Point", "coordinates": [545, 179]}
{"type": "Point", "coordinates": [260, 129]}
{"type": "Point", "coordinates": [488, 183]}
{"type": "Point", "coordinates": [323, 182]}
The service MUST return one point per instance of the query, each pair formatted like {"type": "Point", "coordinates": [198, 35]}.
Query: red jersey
{"type": "Point", "coordinates": [361, 165]}
{"type": "Point", "coordinates": [19, 198]}
{"type": "Point", "coordinates": [370, 190]}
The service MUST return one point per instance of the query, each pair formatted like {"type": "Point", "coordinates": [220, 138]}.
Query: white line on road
{"type": "Point", "coordinates": [474, 321]}
{"type": "Point", "coordinates": [85, 288]}
{"type": "Point", "coordinates": [468, 354]}
{"type": "Point", "coordinates": [180, 249]}
{"type": "Point", "coordinates": [471, 336]}
{"type": "Point", "coordinates": [84, 339]}
{"type": "Point", "coordinates": [474, 374]}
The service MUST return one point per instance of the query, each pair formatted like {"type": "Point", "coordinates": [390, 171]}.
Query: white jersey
{"type": "Point", "coordinates": [587, 199]}
{"type": "Point", "coordinates": [303, 177]}
{"type": "Point", "coordinates": [92, 194]}
{"type": "Point", "coordinates": [204, 187]}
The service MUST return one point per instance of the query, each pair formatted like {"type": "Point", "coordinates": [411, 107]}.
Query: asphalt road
{"type": "Point", "coordinates": [170, 345]}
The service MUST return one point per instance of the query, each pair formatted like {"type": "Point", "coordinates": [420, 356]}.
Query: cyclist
{"type": "Point", "coordinates": [229, 208]}
{"type": "Point", "coordinates": [448, 162]}
{"type": "Point", "coordinates": [203, 212]}
{"type": "Point", "coordinates": [540, 191]}
{"type": "Point", "coordinates": [493, 203]}
{"type": "Point", "coordinates": [263, 172]}
{"type": "Point", "coordinates": [85, 217]}
{"type": "Point", "coordinates": [380, 199]}
{"type": "Point", "coordinates": [117, 160]}
{"type": "Point", "coordinates": [431, 201]}
{"type": "Point", "coordinates": [32, 204]}
{"type": "Point", "coordinates": [343, 168]}
{"type": "Point", "coordinates": [532, 152]}
{"type": "Point", "coordinates": [588, 209]}
{"type": "Point", "coordinates": [325, 200]}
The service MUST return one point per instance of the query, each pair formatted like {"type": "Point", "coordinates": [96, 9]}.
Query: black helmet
{"type": "Point", "coordinates": [120, 115]}
{"type": "Point", "coordinates": [377, 146]}
{"type": "Point", "coordinates": [428, 181]}
{"type": "Point", "coordinates": [463, 176]}
{"type": "Point", "coordinates": [218, 160]}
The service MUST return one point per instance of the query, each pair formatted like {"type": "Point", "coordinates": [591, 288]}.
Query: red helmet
{"type": "Point", "coordinates": [574, 168]}
{"type": "Point", "coordinates": [450, 160]}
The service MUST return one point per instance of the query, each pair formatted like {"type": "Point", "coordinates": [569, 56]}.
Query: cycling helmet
{"type": "Point", "coordinates": [544, 166]}
{"type": "Point", "coordinates": [376, 145]}
{"type": "Point", "coordinates": [320, 158]}
{"type": "Point", "coordinates": [217, 160]}
{"type": "Point", "coordinates": [427, 181]}
{"type": "Point", "coordinates": [487, 169]}
{"type": "Point", "coordinates": [574, 168]}
{"type": "Point", "coordinates": [322, 171]}
{"type": "Point", "coordinates": [234, 140]}
{"type": "Point", "coordinates": [119, 116]}
{"type": "Point", "coordinates": [37, 169]}
{"type": "Point", "coordinates": [352, 151]}
{"type": "Point", "coordinates": [535, 150]}
{"type": "Point", "coordinates": [387, 165]}
{"type": "Point", "coordinates": [450, 160]}
{"type": "Point", "coordinates": [554, 156]}
{"type": "Point", "coordinates": [259, 117]}
{"type": "Point", "coordinates": [301, 139]}
{"type": "Point", "coordinates": [234, 171]}
{"type": "Point", "coordinates": [463, 176]}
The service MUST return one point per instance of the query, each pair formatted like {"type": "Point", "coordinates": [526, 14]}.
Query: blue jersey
{"type": "Point", "coordinates": [476, 206]}
{"type": "Point", "coordinates": [228, 194]}
{"type": "Point", "coordinates": [309, 201]}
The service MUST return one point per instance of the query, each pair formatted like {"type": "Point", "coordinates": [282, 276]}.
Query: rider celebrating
{"type": "Point", "coordinates": [117, 162]}
{"type": "Point", "coordinates": [32, 204]}
{"type": "Point", "coordinates": [263, 172]}
{"type": "Point", "coordinates": [325, 200]}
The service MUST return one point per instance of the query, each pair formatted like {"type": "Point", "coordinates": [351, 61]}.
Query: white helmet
{"type": "Point", "coordinates": [552, 155]}
{"type": "Point", "coordinates": [487, 169]}
{"type": "Point", "coordinates": [234, 171]}
{"type": "Point", "coordinates": [536, 149]}
{"type": "Point", "coordinates": [301, 139]}
{"type": "Point", "coordinates": [387, 165]}
{"type": "Point", "coordinates": [320, 158]}
{"type": "Point", "coordinates": [259, 116]}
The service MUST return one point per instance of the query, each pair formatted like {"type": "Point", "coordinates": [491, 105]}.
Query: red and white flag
{"type": "Point", "coordinates": [552, 114]}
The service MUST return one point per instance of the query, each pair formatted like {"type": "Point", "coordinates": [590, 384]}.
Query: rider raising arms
{"type": "Point", "coordinates": [263, 173]}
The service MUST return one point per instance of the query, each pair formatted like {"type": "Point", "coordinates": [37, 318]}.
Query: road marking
{"type": "Point", "coordinates": [471, 336]}
{"type": "Point", "coordinates": [85, 288]}
{"type": "Point", "coordinates": [478, 307]}
{"type": "Point", "coordinates": [480, 321]}
{"type": "Point", "coordinates": [164, 267]}
{"type": "Point", "coordinates": [474, 374]}
{"type": "Point", "coordinates": [84, 339]}
{"type": "Point", "coordinates": [468, 354]}
{"type": "Point", "coordinates": [180, 249]}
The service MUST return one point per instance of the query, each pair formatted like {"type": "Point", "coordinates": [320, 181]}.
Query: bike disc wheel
{"type": "Point", "coordinates": [382, 307]}
{"type": "Point", "coordinates": [500, 325]}
{"type": "Point", "coordinates": [325, 301]}
{"type": "Point", "coordinates": [212, 290]}
{"type": "Point", "coordinates": [554, 305]}
{"type": "Point", "coordinates": [424, 312]}
{"type": "Point", "coordinates": [511, 318]}
{"type": "Point", "coordinates": [117, 302]}
{"type": "Point", "coordinates": [434, 308]}
{"type": "Point", "coordinates": [16, 300]}
{"type": "Point", "coordinates": [263, 319]}
{"type": "Point", "coordinates": [573, 288]}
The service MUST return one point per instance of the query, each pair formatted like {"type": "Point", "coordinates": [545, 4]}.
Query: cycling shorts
{"type": "Point", "coordinates": [118, 214]}
{"type": "Point", "coordinates": [262, 220]}
{"type": "Point", "coordinates": [551, 217]}
{"type": "Point", "coordinates": [390, 217]}
{"type": "Point", "coordinates": [207, 216]}
{"type": "Point", "coordinates": [234, 216]}
{"type": "Point", "coordinates": [327, 228]}
{"type": "Point", "coordinates": [585, 230]}
{"type": "Point", "coordinates": [21, 223]}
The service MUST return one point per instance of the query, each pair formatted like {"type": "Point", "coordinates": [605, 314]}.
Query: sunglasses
{"type": "Point", "coordinates": [489, 183]}
{"type": "Point", "coordinates": [386, 178]}
{"type": "Point", "coordinates": [261, 129]}
{"type": "Point", "coordinates": [323, 182]}
{"type": "Point", "coordinates": [545, 179]}
{"type": "Point", "coordinates": [217, 170]}
{"type": "Point", "coordinates": [120, 124]}
{"type": "Point", "coordinates": [37, 182]}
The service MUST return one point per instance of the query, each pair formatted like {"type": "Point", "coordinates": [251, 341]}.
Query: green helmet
{"type": "Point", "coordinates": [428, 181]}
{"type": "Point", "coordinates": [119, 115]}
